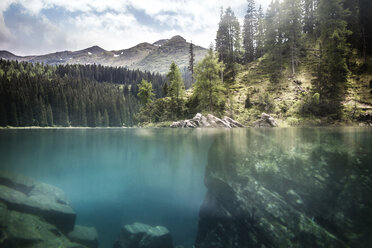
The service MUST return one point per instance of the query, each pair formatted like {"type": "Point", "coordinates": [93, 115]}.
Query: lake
{"type": "Point", "coordinates": [155, 176]}
{"type": "Point", "coordinates": [118, 176]}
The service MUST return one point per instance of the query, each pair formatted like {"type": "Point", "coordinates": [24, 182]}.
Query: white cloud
{"type": "Point", "coordinates": [112, 25]}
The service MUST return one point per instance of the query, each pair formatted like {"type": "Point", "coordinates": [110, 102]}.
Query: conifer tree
{"type": "Point", "coordinates": [105, 121]}
{"type": "Point", "coordinates": [332, 70]}
{"type": "Point", "coordinates": [309, 15]}
{"type": "Point", "coordinates": [274, 39]}
{"type": "Point", "coordinates": [176, 91]}
{"type": "Point", "coordinates": [176, 87]}
{"type": "Point", "coordinates": [208, 88]}
{"type": "Point", "coordinates": [165, 89]}
{"type": "Point", "coordinates": [49, 115]}
{"type": "Point", "coordinates": [365, 10]}
{"type": "Point", "coordinates": [191, 59]}
{"type": "Point", "coordinates": [293, 30]}
{"type": "Point", "coordinates": [228, 43]}
{"type": "Point", "coordinates": [145, 93]}
{"type": "Point", "coordinates": [260, 33]}
{"type": "Point", "coordinates": [249, 32]}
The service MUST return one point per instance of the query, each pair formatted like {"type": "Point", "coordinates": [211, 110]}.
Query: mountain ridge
{"type": "Point", "coordinates": [155, 57]}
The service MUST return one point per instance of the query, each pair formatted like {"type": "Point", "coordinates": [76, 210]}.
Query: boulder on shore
{"type": "Point", "coordinates": [139, 235]}
{"type": "Point", "coordinates": [265, 121]}
{"type": "Point", "coordinates": [209, 121]}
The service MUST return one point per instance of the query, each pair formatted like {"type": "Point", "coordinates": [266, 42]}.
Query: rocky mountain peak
{"type": "Point", "coordinates": [177, 38]}
{"type": "Point", "coordinates": [94, 49]}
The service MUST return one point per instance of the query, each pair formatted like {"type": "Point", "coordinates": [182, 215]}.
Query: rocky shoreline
{"type": "Point", "coordinates": [209, 121]}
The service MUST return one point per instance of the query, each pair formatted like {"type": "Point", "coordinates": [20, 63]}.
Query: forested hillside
{"type": "Point", "coordinates": [70, 95]}
{"type": "Point", "coordinates": [307, 62]}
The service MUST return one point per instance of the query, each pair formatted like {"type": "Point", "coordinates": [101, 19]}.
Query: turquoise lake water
{"type": "Point", "coordinates": [155, 176]}
{"type": "Point", "coordinates": [118, 176]}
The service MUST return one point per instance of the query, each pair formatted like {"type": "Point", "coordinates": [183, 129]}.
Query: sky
{"type": "Point", "coordinates": [33, 27]}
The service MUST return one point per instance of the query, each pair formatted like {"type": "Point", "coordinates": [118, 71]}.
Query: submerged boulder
{"type": "Point", "coordinates": [265, 121]}
{"type": "Point", "coordinates": [209, 121]}
{"type": "Point", "coordinates": [84, 235]}
{"type": "Point", "coordinates": [25, 195]}
{"type": "Point", "coordinates": [19, 229]}
{"type": "Point", "coordinates": [139, 235]}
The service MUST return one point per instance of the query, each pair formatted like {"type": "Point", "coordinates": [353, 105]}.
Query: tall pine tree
{"type": "Point", "coordinates": [332, 70]}
{"type": "Point", "coordinates": [293, 30]}
{"type": "Point", "coordinates": [191, 59]}
{"type": "Point", "coordinates": [249, 32]}
{"type": "Point", "coordinates": [228, 43]}
{"type": "Point", "coordinates": [209, 90]}
{"type": "Point", "coordinates": [260, 33]}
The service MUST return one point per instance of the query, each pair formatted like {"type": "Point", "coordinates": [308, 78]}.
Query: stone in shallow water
{"type": "Point", "coordinates": [139, 235]}
{"type": "Point", "coordinates": [26, 195]}
{"type": "Point", "coordinates": [84, 235]}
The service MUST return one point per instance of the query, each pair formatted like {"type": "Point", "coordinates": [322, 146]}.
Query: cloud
{"type": "Point", "coordinates": [41, 26]}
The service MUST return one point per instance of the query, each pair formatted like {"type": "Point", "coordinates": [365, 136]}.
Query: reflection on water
{"type": "Point", "coordinates": [115, 176]}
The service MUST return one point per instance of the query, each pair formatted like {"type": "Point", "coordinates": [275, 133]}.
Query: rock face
{"type": "Point", "coordinates": [87, 236]}
{"type": "Point", "coordinates": [25, 195]}
{"type": "Point", "coordinates": [210, 121]}
{"type": "Point", "coordinates": [265, 121]}
{"type": "Point", "coordinates": [33, 214]}
{"type": "Point", "coordinates": [273, 194]}
{"type": "Point", "coordinates": [140, 235]}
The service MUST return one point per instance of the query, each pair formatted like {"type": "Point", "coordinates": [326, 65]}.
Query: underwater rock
{"type": "Point", "coordinates": [264, 194]}
{"type": "Point", "coordinates": [26, 230]}
{"type": "Point", "coordinates": [84, 235]}
{"type": "Point", "coordinates": [139, 235]}
{"type": "Point", "coordinates": [210, 121]}
{"type": "Point", "coordinates": [28, 196]}
{"type": "Point", "coordinates": [265, 121]}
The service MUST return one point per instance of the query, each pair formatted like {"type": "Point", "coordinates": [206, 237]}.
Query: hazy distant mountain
{"type": "Point", "coordinates": [155, 57]}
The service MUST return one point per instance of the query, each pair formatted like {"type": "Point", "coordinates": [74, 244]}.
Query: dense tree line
{"type": "Point", "coordinates": [70, 95]}
{"type": "Point", "coordinates": [116, 75]}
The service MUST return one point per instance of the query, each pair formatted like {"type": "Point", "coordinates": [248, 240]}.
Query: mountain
{"type": "Point", "coordinates": [155, 57]}
{"type": "Point", "coordinates": [176, 49]}
{"type": "Point", "coordinates": [160, 42]}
